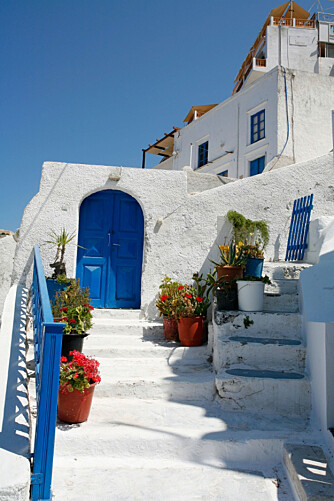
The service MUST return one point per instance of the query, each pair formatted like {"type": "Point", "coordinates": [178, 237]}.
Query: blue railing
{"type": "Point", "coordinates": [47, 349]}
{"type": "Point", "coordinates": [300, 219]}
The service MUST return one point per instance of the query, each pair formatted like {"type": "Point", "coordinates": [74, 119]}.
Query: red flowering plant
{"type": "Point", "coordinates": [190, 304]}
{"type": "Point", "coordinates": [167, 300]}
{"type": "Point", "coordinates": [78, 374]}
{"type": "Point", "coordinates": [72, 306]}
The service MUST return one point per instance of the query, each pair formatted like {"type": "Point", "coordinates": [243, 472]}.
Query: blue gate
{"type": "Point", "coordinates": [300, 219]}
{"type": "Point", "coordinates": [109, 259]}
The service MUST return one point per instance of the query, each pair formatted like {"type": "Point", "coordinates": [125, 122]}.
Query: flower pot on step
{"type": "Point", "coordinates": [254, 267]}
{"type": "Point", "coordinates": [227, 298]}
{"type": "Point", "coordinates": [170, 329]}
{"type": "Point", "coordinates": [191, 331]}
{"type": "Point", "coordinates": [229, 272]}
{"type": "Point", "coordinates": [74, 407]}
{"type": "Point", "coordinates": [72, 342]}
{"type": "Point", "coordinates": [250, 295]}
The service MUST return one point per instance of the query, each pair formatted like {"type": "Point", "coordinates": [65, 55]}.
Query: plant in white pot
{"type": "Point", "coordinates": [251, 293]}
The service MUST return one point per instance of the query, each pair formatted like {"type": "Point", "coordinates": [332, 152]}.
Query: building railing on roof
{"type": "Point", "coordinates": [293, 23]}
{"type": "Point", "coordinates": [260, 62]}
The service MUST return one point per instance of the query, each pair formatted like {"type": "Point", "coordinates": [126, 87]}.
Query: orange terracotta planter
{"type": "Point", "coordinates": [74, 407]}
{"type": "Point", "coordinates": [170, 329]}
{"type": "Point", "coordinates": [191, 331]}
{"type": "Point", "coordinates": [229, 272]}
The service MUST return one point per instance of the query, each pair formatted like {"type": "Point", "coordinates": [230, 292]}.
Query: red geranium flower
{"type": "Point", "coordinates": [63, 309]}
{"type": "Point", "coordinates": [75, 375]}
{"type": "Point", "coordinates": [63, 359]}
{"type": "Point", "coordinates": [180, 287]}
{"type": "Point", "coordinates": [91, 307]}
{"type": "Point", "coordinates": [189, 296]}
{"type": "Point", "coordinates": [164, 297]}
{"type": "Point", "coordinates": [199, 299]}
{"type": "Point", "coordinates": [72, 321]}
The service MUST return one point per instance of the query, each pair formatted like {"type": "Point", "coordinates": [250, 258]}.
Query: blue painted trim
{"type": "Point", "coordinates": [261, 126]}
{"type": "Point", "coordinates": [203, 154]}
{"type": "Point", "coordinates": [47, 349]}
{"type": "Point", "coordinates": [299, 228]}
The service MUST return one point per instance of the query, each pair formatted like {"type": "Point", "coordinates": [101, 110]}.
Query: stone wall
{"type": "Point", "coordinates": [7, 252]}
{"type": "Point", "coordinates": [182, 230]}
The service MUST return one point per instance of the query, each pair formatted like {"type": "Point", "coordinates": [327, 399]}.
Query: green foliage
{"type": "Point", "coordinates": [60, 240]}
{"type": "Point", "coordinates": [250, 278]}
{"type": "Point", "coordinates": [62, 279]}
{"type": "Point", "coordinates": [72, 306]}
{"type": "Point", "coordinates": [248, 322]}
{"type": "Point", "coordinates": [248, 231]}
{"type": "Point", "coordinates": [168, 294]}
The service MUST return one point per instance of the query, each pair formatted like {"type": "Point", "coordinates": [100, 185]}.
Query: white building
{"type": "Point", "coordinates": [280, 110]}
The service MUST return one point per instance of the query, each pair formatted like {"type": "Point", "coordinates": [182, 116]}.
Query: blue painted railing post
{"type": "Point", "coordinates": [47, 349]}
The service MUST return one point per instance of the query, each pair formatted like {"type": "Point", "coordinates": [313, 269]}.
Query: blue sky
{"type": "Point", "coordinates": [95, 81]}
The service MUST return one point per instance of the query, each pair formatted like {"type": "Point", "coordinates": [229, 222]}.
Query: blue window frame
{"type": "Point", "coordinates": [257, 126]}
{"type": "Point", "coordinates": [257, 166]}
{"type": "Point", "coordinates": [224, 173]}
{"type": "Point", "coordinates": [203, 150]}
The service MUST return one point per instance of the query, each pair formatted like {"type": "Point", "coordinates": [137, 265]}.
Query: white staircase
{"type": "Point", "coordinates": [156, 431]}
{"type": "Point", "coordinates": [259, 358]}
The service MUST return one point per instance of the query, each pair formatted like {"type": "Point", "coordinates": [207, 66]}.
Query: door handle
{"type": "Point", "coordinates": [117, 245]}
{"type": "Point", "coordinates": [108, 238]}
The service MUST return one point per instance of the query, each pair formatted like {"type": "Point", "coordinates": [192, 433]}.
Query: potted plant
{"type": "Point", "coordinates": [255, 235]}
{"type": "Point", "coordinates": [72, 306]}
{"type": "Point", "coordinates": [58, 281]}
{"type": "Point", "coordinates": [232, 261]}
{"type": "Point", "coordinates": [77, 381]}
{"type": "Point", "coordinates": [254, 259]}
{"type": "Point", "coordinates": [190, 310]}
{"type": "Point", "coordinates": [251, 293]}
{"type": "Point", "coordinates": [166, 305]}
{"type": "Point", "coordinates": [226, 293]}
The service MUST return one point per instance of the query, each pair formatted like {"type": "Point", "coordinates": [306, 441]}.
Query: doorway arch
{"type": "Point", "coordinates": [109, 259]}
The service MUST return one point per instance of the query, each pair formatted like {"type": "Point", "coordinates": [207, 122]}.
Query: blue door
{"type": "Point", "coordinates": [257, 166]}
{"type": "Point", "coordinates": [111, 232]}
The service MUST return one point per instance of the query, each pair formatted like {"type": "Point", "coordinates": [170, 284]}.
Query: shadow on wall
{"type": "Point", "coordinates": [14, 435]}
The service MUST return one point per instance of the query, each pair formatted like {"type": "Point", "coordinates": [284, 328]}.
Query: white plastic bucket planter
{"type": "Point", "coordinates": [250, 295]}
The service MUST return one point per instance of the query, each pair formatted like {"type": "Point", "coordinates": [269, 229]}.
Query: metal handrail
{"type": "Point", "coordinates": [47, 350]}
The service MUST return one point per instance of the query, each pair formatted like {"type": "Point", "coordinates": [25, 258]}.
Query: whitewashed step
{"type": "Point", "coordinates": [119, 314]}
{"type": "Point", "coordinates": [190, 379]}
{"type": "Point", "coordinates": [122, 326]}
{"type": "Point", "coordinates": [195, 444]}
{"type": "Point", "coordinates": [136, 347]}
{"type": "Point", "coordinates": [283, 286]}
{"type": "Point", "coordinates": [270, 325]}
{"type": "Point", "coordinates": [281, 302]}
{"type": "Point", "coordinates": [309, 472]}
{"type": "Point", "coordinates": [259, 353]}
{"type": "Point", "coordinates": [283, 270]}
{"type": "Point", "coordinates": [271, 392]}
{"type": "Point", "coordinates": [158, 480]}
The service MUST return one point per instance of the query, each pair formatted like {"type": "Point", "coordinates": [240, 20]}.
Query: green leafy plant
{"type": "Point", "coordinates": [265, 279]}
{"type": "Point", "coordinates": [248, 322]}
{"type": "Point", "coordinates": [72, 307]}
{"type": "Point", "coordinates": [231, 255]}
{"type": "Point", "coordinates": [166, 302]}
{"type": "Point", "coordinates": [189, 304]}
{"type": "Point", "coordinates": [78, 374]}
{"type": "Point", "coordinates": [248, 231]}
{"type": "Point", "coordinates": [60, 241]}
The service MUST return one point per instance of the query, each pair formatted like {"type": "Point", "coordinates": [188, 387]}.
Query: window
{"type": "Point", "coordinates": [203, 154]}
{"type": "Point", "coordinates": [256, 166]}
{"type": "Point", "coordinates": [224, 173]}
{"type": "Point", "coordinates": [257, 126]}
{"type": "Point", "coordinates": [331, 29]}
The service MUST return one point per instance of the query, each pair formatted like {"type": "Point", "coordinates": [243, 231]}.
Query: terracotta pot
{"type": "Point", "coordinates": [229, 272]}
{"type": "Point", "coordinates": [170, 329]}
{"type": "Point", "coordinates": [191, 331]}
{"type": "Point", "coordinates": [74, 407]}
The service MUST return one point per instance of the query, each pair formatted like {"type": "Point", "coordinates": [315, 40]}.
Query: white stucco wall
{"type": "Point", "coordinates": [227, 128]}
{"type": "Point", "coordinates": [7, 252]}
{"type": "Point", "coordinates": [180, 228]}
{"type": "Point", "coordinates": [310, 100]}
